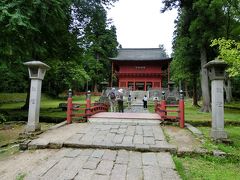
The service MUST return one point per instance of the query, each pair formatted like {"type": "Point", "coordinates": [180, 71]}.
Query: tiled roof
{"type": "Point", "coordinates": [141, 54]}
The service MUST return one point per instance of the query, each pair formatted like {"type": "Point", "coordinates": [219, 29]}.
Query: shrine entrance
{"type": "Point", "coordinates": [139, 86]}
{"type": "Point", "coordinates": [140, 69]}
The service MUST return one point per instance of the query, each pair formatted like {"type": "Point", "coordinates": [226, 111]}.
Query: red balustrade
{"type": "Point", "coordinates": [162, 108]}
{"type": "Point", "coordinates": [86, 110]}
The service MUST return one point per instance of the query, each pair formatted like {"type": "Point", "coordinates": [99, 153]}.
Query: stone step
{"type": "Point", "coordinates": [124, 121]}
{"type": "Point", "coordinates": [164, 147]}
{"type": "Point", "coordinates": [137, 116]}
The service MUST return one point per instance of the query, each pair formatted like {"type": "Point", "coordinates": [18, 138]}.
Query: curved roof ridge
{"type": "Point", "coordinates": [141, 54]}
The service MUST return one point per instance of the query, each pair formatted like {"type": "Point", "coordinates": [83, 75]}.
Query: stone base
{"type": "Point", "coordinates": [32, 128]}
{"type": "Point", "coordinates": [218, 134]}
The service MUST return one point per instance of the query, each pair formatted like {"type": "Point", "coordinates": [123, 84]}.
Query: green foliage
{"type": "Point", "coordinates": [13, 79]}
{"type": "Point", "coordinates": [101, 42]}
{"type": "Point", "coordinates": [229, 51]}
{"type": "Point", "coordinates": [198, 22]}
{"type": "Point", "coordinates": [65, 34]}
{"type": "Point", "coordinates": [65, 75]}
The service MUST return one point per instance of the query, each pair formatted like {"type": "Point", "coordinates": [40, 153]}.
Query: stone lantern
{"type": "Point", "coordinates": [216, 70]}
{"type": "Point", "coordinates": [104, 85]}
{"type": "Point", "coordinates": [104, 96]}
{"type": "Point", "coordinates": [170, 97]}
{"type": "Point", "coordinates": [36, 71]}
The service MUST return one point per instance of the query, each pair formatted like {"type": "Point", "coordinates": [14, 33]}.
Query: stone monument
{"type": "Point", "coordinates": [36, 71]}
{"type": "Point", "coordinates": [216, 70]}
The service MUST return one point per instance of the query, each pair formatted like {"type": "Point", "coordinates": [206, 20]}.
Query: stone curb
{"type": "Point", "coordinates": [168, 148]}
{"type": "Point", "coordinates": [194, 130]}
{"type": "Point", "coordinates": [58, 125]}
{"type": "Point", "coordinates": [28, 145]}
{"type": "Point", "coordinates": [58, 145]}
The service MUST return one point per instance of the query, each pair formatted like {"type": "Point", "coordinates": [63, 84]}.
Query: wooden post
{"type": "Point", "coordinates": [88, 105]}
{"type": "Point", "coordinates": [69, 107]}
{"type": "Point", "coordinates": [168, 75]}
{"type": "Point", "coordinates": [155, 104]}
{"type": "Point", "coordinates": [181, 110]}
{"type": "Point", "coordinates": [163, 106]}
{"type": "Point", "coordinates": [111, 83]}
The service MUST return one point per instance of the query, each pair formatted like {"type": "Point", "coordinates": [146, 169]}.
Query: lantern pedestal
{"type": "Point", "coordinates": [37, 71]}
{"type": "Point", "coordinates": [216, 69]}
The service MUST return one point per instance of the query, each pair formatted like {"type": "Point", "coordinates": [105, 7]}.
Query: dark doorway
{"type": "Point", "coordinates": [139, 86]}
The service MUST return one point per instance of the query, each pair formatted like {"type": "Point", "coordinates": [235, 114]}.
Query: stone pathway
{"type": "Point", "coordinates": [111, 146]}
{"type": "Point", "coordinates": [136, 107]}
{"type": "Point", "coordinates": [113, 136]}
{"type": "Point", "coordinates": [100, 164]}
{"type": "Point", "coordinates": [109, 136]}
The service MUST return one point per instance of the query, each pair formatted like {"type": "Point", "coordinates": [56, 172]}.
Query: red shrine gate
{"type": "Point", "coordinates": [141, 69]}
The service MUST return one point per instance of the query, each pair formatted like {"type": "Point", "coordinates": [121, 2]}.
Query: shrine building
{"type": "Point", "coordinates": [141, 69]}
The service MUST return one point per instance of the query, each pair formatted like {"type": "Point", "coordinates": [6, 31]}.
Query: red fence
{"type": "Point", "coordinates": [86, 110]}
{"type": "Point", "coordinates": [163, 109]}
{"type": "Point", "coordinates": [83, 93]}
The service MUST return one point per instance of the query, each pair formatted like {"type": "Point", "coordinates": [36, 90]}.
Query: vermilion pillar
{"type": "Point", "coordinates": [69, 107]}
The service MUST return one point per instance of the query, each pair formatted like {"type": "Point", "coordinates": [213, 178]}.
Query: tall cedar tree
{"type": "Point", "coordinates": [207, 19]}
{"type": "Point", "coordinates": [43, 30]}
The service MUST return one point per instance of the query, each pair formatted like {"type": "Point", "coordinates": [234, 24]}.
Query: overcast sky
{"type": "Point", "coordinates": [140, 24]}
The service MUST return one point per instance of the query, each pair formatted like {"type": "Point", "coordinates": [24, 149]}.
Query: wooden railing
{"type": "Point", "coordinates": [86, 110]}
{"type": "Point", "coordinates": [163, 109]}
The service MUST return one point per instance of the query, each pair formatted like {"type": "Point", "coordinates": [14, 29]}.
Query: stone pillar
{"type": "Point", "coordinates": [37, 71]}
{"type": "Point", "coordinates": [34, 105]}
{"type": "Point", "coordinates": [217, 131]}
{"type": "Point", "coordinates": [216, 74]}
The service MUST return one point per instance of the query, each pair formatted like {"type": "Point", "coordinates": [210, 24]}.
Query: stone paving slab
{"type": "Point", "coordinates": [112, 136]}
{"type": "Point", "coordinates": [107, 136]}
{"type": "Point", "coordinates": [54, 138]}
{"type": "Point", "coordinates": [92, 164]}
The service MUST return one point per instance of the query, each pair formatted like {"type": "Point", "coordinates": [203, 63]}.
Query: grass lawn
{"type": "Point", "coordinates": [194, 116]}
{"type": "Point", "coordinates": [9, 138]}
{"type": "Point", "coordinates": [210, 167]}
{"type": "Point", "coordinates": [189, 167]}
{"type": "Point", "coordinates": [233, 134]}
{"type": "Point", "coordinates": [9, 133]}
{"type": "Point", "coordinates": [49, 106]}
{"type": "Point", "coordinates": [207, 168]}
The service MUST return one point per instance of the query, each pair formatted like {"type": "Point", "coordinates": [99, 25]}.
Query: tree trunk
{"type": "Point", "coordinates": [195, 95]}
{"type": "Point", "coordinates": [186, 89]}
{"type": "Point", "coordinates": [204, 82]}
{"type": "Point", "coordinates": [228, 90]}
{"type": "Point", "coordinates": [95, 87]}
{"type": "Point", "coordinates": [26, 105]}
{"type": "Point", "coordinates": [180, 85]}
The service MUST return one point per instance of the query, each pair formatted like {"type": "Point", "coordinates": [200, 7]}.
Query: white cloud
{"type": "Point", "coordinates": [140, 24]}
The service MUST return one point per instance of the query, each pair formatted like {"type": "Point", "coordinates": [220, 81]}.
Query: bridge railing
{"type": "Point", "coordinates": [164, 109]}
{"type": "Point", "coordinates": [76, 110]}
